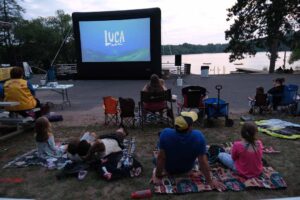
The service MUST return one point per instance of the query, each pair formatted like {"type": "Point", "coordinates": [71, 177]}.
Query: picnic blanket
{"type": "Point", "coordinates": [31, 158]}
{"type": "Point", "coordinates": [194, 181]}
{"type": "Point", "coordinates": [279, 128]}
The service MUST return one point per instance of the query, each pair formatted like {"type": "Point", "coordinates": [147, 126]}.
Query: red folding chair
{"type": "Point", "coordinates": [110, 106]}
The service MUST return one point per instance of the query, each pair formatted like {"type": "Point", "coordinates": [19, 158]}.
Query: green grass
{"type": "Point", "coordinates": [41, 183]}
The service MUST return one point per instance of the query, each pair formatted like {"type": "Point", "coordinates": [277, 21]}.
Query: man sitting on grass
{"type": "Point", "coordinates": [179, 148]}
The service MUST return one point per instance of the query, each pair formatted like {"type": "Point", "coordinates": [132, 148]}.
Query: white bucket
{"type": "Point", "coordinates": [204, 71]}
{"type": "Point", "coordinates": [174, 97]}
{"type": "Point", "coordinates": [43, 81]}
{"type": "Point", "coordinates": [179, 82]}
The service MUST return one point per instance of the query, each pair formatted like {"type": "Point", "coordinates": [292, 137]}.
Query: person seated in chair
{"type": "Point", "coordinates": [19, 90]}
{"type": "Point", "coordinates": [260, 100]}
{"type": "Point", "coordinates": [179, 148]}
{"type": "Point", "coordinates": [155, 85]}
{"type": "Point", "coordinates": [276, 92]}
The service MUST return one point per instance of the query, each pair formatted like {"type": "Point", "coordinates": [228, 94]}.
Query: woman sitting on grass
{"type": "Point", "coordinates": [246, 154]}
{"type": "Point", "coordinates": [45, 140]}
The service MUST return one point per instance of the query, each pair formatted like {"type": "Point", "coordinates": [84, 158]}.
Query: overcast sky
{"type": "Point", "coordinates": [183, 21]}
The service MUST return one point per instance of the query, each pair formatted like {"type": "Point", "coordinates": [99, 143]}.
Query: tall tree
{"type": "Point", "coordinates": [62, 23]}
{"type": "Point", "coordinates": [261, 24]}
{"type": "Point", "coordinates": [40, 38]}
{"type": "Point", "coordinates": [10, 11]}
{"type": "Point", "coordinates": [295, 55]}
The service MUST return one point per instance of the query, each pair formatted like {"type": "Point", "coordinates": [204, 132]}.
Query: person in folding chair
{"type": "Point", "coordinates": [155, 85]}
{"type": "Point", "coordinates": [156, 98]}
{"type": "Point", "coordinates": [276, 92]}
{"type": "Point", "coordinates": [259, 102]}
{"type": "Point", "coordinates": [179, 148]}
{"type": "Point", "coordinates": [19, 90]}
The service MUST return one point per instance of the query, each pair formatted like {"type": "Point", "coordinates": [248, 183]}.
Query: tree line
{"type": "Point", "coordinates": [187, 48]}
{"type": "Point", "coordinates": [37, 40]}
{"type": "Point", "coordinates": [257, 25]}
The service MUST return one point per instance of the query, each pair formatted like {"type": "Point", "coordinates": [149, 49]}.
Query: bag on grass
{"type": "Point", "coordinates": [122, 172]}
{"type": "Point", "coordinates": [213, 152]}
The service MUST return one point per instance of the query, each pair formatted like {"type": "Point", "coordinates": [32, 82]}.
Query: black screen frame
{"type": "Point", "coordinates": [120, 70]}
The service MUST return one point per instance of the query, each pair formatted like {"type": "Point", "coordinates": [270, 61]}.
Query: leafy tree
{"type": "Point", "coordinates": [40, 39]}
{"type": "Point", "coordinates": [295, 48]}
{"type": "Point", "coordinates": [261, 24]}
{"type": "Point", "coordinates": [10, 11]}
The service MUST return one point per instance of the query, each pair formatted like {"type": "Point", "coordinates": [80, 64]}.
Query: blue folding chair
{"type": "Point", "coordinates": [289, 95]}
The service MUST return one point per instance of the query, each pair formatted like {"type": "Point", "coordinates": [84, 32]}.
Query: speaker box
{"type": "Point", "coordinates": [177, 60]}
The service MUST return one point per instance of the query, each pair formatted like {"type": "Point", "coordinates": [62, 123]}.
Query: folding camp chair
{"type": "Point", "coordinates": [110, 106]}
{"type": "Point", "coordinates": [193, 97]}
{"type": "Point", "coordinates": [288, 100]}
{"type": "Point", "coordinates": [127, 106]}
{"type": "Point", "coordinates": [157, 107]}
{"type": "Point", "coordinates": [259, 104]}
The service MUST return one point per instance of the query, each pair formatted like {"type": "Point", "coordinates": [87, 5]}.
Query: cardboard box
{"type": "Point", "coordinates": [5, 73]}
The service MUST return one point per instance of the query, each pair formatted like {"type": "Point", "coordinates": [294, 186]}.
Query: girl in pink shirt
{"type": "Point", "coordinates": [246, 154]}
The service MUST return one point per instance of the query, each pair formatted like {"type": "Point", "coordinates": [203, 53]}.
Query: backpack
{"type": "Point", "coordinates": [213, 152]}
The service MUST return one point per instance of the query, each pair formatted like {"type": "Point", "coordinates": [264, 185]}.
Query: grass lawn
{"type": "Point", "coordinates": [41, 183]}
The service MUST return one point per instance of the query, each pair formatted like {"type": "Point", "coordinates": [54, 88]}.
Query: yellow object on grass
{"type": "Point", "coordinates": [5, 73]}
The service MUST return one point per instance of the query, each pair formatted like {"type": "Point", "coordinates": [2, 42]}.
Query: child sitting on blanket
{"type": "Point", "coordinates": [45, 140]}
{"type": "Point", "coordinates": [246, 154]}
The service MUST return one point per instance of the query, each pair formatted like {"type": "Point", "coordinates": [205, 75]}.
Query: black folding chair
{"type": "Point", "coordinates": [193, 97]}
{"type": "Point", "coordinates": [127, 107]}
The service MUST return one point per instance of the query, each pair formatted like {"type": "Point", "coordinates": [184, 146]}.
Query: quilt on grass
{"type": "Point", "coordinates": [31, 158]}
{"type": "Point", "coordinates": [195, 181]}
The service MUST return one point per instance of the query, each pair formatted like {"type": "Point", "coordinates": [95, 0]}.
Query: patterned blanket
{"type": "Point", "coordinates": [31, 158]}
{"type": "Point", "coordinates": [195, 181]}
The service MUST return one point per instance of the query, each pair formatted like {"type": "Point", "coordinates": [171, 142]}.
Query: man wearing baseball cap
{"type": "Point", "coordinates": [180, 146]}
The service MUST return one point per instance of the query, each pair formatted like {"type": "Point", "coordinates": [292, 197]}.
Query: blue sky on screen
{"type": "Point", "coordinates": [112, 40]}
{"type": "Point", "coordinates": [135, 31]}
{"type": "Point", "coordinates": [190, 21]}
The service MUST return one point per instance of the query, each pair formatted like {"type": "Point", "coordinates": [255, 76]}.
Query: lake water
{"type": "Point", "coordinates": [219, 62]}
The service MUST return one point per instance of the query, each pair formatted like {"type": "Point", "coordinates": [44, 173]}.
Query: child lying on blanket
{"type": "Point", "coordinates": [246, 155]}
{"type": "Point", "coordinates": [45, 142]}
{"type": "Point", "coordinates": [89, 146]}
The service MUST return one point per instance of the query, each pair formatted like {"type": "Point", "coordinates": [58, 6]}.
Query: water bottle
{"type": "Point", "coordinates": [141, 194]}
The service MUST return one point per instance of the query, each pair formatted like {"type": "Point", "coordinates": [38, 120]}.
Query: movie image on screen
{"type": "Point", "coordinates": [125, 40]}
{"type": "Point", "coordinates": [120, 44]}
